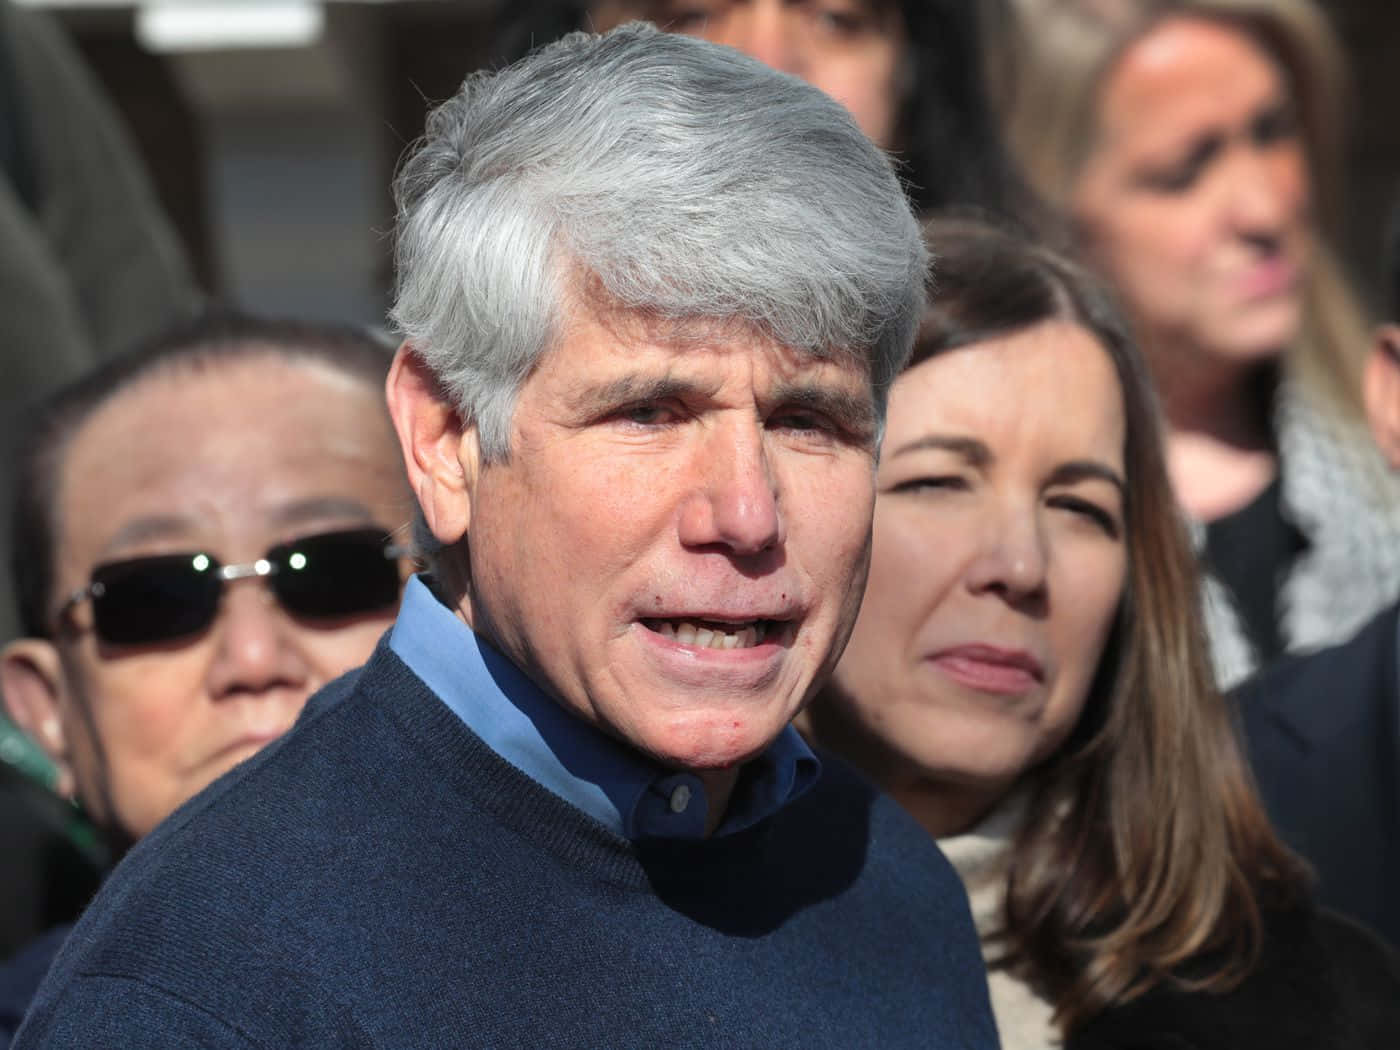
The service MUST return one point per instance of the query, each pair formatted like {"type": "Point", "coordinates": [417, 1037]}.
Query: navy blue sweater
{"type": "Point", "coordinates": [381, 878]}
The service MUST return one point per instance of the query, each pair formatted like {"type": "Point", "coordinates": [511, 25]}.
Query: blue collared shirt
{"type": "Point", "coordinates": [617, 786]}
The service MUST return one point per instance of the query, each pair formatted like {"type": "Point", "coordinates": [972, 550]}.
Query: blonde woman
{"type": "Point", "coordinates": [1193, 145]}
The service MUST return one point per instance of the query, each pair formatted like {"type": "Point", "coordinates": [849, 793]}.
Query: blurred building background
{"type": "Point", "coordinates": [271, 128]}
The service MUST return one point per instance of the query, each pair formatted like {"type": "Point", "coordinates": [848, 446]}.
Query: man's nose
{"type": "Point", "coordinates": [253, 650]}
{"type": "Point", "coordinates": [734, 503]}
{"type": "Point", "coordinates": [1011, 557]}
{"type": "Point", "coordinates": [768, 31]}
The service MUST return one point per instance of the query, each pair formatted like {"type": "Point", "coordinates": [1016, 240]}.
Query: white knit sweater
{"type": "Point", "coordinates": [980, 857]}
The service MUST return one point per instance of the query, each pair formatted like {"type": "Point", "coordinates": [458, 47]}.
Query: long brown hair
{"type": "Point", "coordinates": [1145, 855]}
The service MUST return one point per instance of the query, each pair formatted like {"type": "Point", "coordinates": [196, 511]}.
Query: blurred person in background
{"type": "Point", "coordinates": [909, 71]}
{"type": "Point", "coordinates": [1029, 678]}
{"type": "Point", "coordinates": [89, 264]}
{"type": "Point", "coordinates": [202, 540]}
{"type": "Point", "coordinates": [1194, 146]}
{"type": "Point", "coordinates": [1324, 729]}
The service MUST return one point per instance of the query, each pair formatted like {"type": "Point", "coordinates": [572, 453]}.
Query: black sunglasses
{"type": "Point", "coordinates": [328, 576]}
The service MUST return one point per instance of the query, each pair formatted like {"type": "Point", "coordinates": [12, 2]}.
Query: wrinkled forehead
{"type": "Point", "coordinates": [586, 302]}
{"type": "Point", "coordinates": [228, 441]}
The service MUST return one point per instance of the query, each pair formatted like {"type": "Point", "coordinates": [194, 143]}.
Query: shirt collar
{"type": "Point", "coordinates": [616, 785]}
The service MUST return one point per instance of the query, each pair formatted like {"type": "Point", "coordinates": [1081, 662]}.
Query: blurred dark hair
{"type": "Point", "coordinates": [1392, 264]}
{"type": "Point", "coordinates": [949, 145]}
{"type": "Point", "coordinates": [206, 342]}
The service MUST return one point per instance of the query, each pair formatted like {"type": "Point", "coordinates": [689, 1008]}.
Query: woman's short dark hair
{"type": "Point", "coordinates": [215, 338]}
{"type": "Point", "coordinates": [1145, 846]}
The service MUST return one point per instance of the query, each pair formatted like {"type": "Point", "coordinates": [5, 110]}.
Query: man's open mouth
{"type": "Point", "coordinates": [714, 634]}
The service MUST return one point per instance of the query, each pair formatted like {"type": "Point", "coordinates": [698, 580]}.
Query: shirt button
{"type": "Point", "coordinates": [680, 798]}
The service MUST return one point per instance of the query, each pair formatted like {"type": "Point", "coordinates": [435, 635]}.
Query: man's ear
{"type": "Point", "coordinates": [32, 683]}
{"type": "Point", "coordinates": [442, 455]}
{"type": "Point", "coordinates": [1381, 391]}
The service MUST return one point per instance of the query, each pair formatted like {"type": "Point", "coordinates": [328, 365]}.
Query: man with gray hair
{"type": "Point", "coordinates": [653, 295]}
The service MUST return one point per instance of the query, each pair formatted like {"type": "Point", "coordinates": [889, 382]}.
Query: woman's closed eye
{"type": "Point", "coordinates": [1091, 511]}
{"type": "Point", "coordinates": [683, 19]}
{"type": "Point", "coordinates": [1278, 123]}
{"type": "Point", "coordinates": [932, 483]}
{"type": "Point", "coordinates": [845, 18]}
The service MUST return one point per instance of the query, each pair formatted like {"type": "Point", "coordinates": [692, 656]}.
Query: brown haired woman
{"type": "Point", "coordinates": [1194, 145]}
{"type": "Point", "coordinates": [1028, 676]}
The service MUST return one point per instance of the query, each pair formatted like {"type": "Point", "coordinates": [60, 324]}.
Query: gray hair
{"type": "Point", "coordinates": [675, 178]}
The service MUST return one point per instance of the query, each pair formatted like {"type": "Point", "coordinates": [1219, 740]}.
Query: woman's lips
{"type": "Point", "coordinates": [1267, 279]}
{"type": "Point", "coordinates": [990, 669]}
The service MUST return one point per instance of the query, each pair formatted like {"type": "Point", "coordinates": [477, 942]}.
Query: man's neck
{"type": "Point", "coordinates": [719, 787]}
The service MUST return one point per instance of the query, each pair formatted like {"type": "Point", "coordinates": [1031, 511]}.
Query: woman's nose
{"type": "Point", "coordinates": [1011, 557]}
{"type": "Point", "coordinates": [1267, 190]}
{"type": "Point", "coordinates": [767, 30]}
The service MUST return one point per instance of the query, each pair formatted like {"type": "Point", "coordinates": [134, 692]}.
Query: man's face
{"type": "Point", "coordinates": [227, 461]}
{"type": "Point", "coordinates": [677, 545]}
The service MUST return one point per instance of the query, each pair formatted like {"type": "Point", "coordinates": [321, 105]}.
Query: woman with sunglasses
{"type": "Point", "coordinates": [1029, 678]}
{"type": "Point", "coordinates": [202, 540]}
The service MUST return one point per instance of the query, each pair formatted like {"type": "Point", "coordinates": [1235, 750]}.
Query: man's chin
{"type": "Point", "coordinates": [714, 741]}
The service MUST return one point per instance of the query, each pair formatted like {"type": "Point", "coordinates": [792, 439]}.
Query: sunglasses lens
{"type": "Point", "coordinates": [336, 574]}
{"type": "Point", "coordinates": [148, 600]}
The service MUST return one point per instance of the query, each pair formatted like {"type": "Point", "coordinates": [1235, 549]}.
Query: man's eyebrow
{"type": "Point", "coordinates": [975, 452]}
{"type": "Point", "coordinates": [633, 389]}
{"type": "Point", "coordinates": [318, 508]}
{"type": "Point", "coordinates": [855, 412]}
{"type": "Point", "coordinates": [1088, 470]}
{"type": "Point", "coordinates": [149, 527]}
{"type": "Point", "coordinates": [174, 526]}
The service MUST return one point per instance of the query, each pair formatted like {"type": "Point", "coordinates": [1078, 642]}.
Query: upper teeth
{"type": "Point", "coordinates": [713, 636]}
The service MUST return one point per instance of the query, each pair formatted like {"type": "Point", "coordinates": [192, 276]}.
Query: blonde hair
{"type": "Point", "coordinates": [1048, 65]}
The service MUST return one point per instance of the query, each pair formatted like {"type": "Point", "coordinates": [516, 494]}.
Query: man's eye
{"type": "Point", "coordinates": [647, 414]}
{"type": "Point", "coordinates": [805, 421]}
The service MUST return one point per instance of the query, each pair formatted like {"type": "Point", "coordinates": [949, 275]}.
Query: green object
{"type": "Point", "coordinates": [19, 751]}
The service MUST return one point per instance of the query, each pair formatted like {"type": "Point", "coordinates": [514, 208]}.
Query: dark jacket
{"type": "Point", "coordinates": [1322, 983]}
{"type": "Point", "coordinates": [379, 877]}
{"type": "Point", "coordinates": [21, 975]}
{"type": "Point", "coordinates": [1323, 735]}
